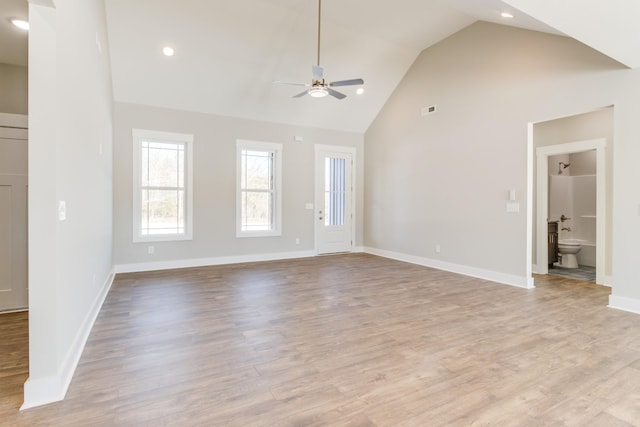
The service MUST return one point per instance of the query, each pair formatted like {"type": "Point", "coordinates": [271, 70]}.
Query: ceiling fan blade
{"type": "Point", "coordinates": [301, 94]}
{"type": "Point", "coordinates": [318, 72]}
{"type": "Point", "coordinates": [347, 82]}
{"type": "Point", "coordinates": [336, 94]}
{"type": "Point", "coordinates": [278, 82]}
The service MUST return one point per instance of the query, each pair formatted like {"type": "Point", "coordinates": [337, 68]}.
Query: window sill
{"type": "Point", "coordinates": [243, 234]}
{"type": "Point", "coordinates": [162, 238]}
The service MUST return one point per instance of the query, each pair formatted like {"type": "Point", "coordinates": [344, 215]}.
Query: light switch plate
{"type": "Point", "coordinates": [62, 210]}
{"type": "Point", "coordinates": [513, 207]}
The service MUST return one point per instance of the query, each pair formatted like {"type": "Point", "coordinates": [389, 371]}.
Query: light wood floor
{"type": "Point", "coordinates": [349, 340]}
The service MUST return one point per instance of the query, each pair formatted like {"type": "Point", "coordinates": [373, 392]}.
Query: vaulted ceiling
{"type": "Point", "coordinates": [228, 53]}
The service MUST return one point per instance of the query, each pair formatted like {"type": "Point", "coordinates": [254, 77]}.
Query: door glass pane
{"type": "Point", "coordinates": [334, 191]}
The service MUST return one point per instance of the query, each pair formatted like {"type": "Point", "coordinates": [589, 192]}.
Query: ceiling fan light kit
{"type": "Point", "coordinates": [318, 92]}
{"type": "Point", "coordinates": [319, 88]}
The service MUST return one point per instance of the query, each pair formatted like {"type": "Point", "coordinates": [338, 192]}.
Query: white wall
{"type": "Point", "coordinates": [70, 124]}
{"type": "Point", "coordinates": [214, 188]}
{"type": "Point", "coordinates": [443, 179]}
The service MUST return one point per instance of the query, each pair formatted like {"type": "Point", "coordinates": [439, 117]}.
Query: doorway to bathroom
{"type": "Point", "coordinates": [576, 203]}
{"type": "Point", "coordinates": [572, 212]}
{"type": "Point", "coordinates": [572, 168]}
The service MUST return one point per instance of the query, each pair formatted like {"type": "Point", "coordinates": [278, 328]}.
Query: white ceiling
{"type": "Point", "coordinates": [229, 52]}
{"type": "Point", "coordinates": [611, 27]}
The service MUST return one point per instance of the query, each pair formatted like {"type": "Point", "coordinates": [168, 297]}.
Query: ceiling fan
{"type": "Point", "coordinates": [319, 88]}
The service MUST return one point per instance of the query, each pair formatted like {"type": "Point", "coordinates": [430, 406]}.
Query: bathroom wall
{"type": "Point", "coordinates": [575, 196]}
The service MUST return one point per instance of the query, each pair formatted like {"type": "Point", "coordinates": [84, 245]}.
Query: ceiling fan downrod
{"type": "Point", "coordinates": [319, 17]}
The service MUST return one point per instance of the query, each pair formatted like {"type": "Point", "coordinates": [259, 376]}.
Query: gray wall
{"type": "Point", "coordinates": [215, 184]}
{"type": "Point", "coordinates": [13, 89]}
{"type": "Point", "coordinates": [443, 179]}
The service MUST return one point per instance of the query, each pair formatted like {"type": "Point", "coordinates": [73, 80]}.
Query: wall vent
{"type": "Point", "coordinates": [431, 109]}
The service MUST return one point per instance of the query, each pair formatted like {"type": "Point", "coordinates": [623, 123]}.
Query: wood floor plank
{"type": "Point", "coordinates": [345, 340]}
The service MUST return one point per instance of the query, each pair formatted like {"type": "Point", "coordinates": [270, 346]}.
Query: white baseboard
{"type": "Point", "coordinates": [14, 310]}
{"type": "Point", "coordinates": [623, 303]}
{"type": "Point", "coordinates": [537, 269]}
{"type": "Point", "coordinates": [203, 262]}
{"type": "Point", "coordinates": [494, 276]}
{"type": "Point", "coordinates": [41, 391]}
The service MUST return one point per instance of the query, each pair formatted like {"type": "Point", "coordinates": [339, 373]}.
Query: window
{"type": "Point", "coordinates": [258, 189]}
{"type": "Point", "coordinates": [334, 190]}
{"type": "Point", "coordinates": [162, 194]}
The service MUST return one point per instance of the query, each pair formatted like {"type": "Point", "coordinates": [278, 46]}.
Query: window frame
{"type": "Point", "coordinates": [276, 149]}
{"type": "Point", "coordinates": [140, 135]}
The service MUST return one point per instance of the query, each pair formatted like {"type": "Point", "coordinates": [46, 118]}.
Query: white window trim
{"type": "Point", "coordinates": [242, 144]}
{"type": "Point", "coordinates": [187, 139]}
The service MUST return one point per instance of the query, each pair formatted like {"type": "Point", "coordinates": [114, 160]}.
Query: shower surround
{"type": "Point", "coordinates": [575, 198]}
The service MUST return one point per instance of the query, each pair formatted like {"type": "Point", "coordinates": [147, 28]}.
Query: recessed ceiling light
{"type": "Point", "coordinates": [168, 51]}
{"type": "Point", "coordinates": [506, 15]}
{"type": "Point", "coordinates": [360, 91]}
{"type": "Point", "coordinates": [20, 23]}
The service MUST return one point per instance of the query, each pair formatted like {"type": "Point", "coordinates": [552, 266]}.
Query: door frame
{"type": "Point", "coordinates": [318, 150]}
{"type": "Point", "coordinates": [542, 199]}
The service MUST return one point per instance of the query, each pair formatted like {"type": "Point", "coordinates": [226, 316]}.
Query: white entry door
{"type": "Point", "coordinates": [13, 233]}
{"type": "Point", "coordinates": [334, 199]}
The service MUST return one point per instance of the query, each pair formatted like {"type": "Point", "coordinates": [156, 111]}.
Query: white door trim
{"type": "Point", "coordinates": [542, 198]}
{"type": "Point", "coordinates": [319, 148]}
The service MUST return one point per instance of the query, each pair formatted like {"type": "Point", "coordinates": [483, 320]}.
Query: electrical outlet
{"type": "Point", "coordinates": [437, 249]}
{"type": "Point", "coordinates": [297, 240]}
{"type": "Point", "coordinates": [151, 250]}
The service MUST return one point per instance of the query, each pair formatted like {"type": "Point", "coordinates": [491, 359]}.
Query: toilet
{"type": "Point", "coordinates": [568, 250]}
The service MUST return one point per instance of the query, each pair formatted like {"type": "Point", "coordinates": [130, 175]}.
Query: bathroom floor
{"type": "Point", "coordinates": [581, 273]}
